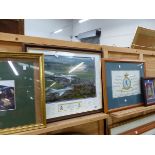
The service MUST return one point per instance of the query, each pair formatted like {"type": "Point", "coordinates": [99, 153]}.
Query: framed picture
{"type": "Point", "coordinates": [148, 90]}
{"type": "Point", "coordinates": [121, 83]}
{"type": "Point", "coordinates": [72, 83]}
{"type": "Point", "coordinates": [22, 95]}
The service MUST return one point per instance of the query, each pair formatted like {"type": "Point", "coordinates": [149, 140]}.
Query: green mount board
{"type": "Point", "coordinates": [24, 113]}
{"type": "Point", "coordinates": [123, 101]}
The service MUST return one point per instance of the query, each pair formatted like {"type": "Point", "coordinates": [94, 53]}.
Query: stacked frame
{"type": "Point", "coordinates": [22, 97]}
{"type": "Point", "coordinates": [122, 83]}
{"type": "Point", "coordinates": [72, 82]}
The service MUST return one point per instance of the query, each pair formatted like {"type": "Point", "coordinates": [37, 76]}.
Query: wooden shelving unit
{"type": "Point", "coordinates": [14, 43]}
{"type": "Point", "coordinates": [66, 124]}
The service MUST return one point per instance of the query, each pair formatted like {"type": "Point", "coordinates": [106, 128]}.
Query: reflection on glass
{"type": "Point", "coordinates": [17, 105]}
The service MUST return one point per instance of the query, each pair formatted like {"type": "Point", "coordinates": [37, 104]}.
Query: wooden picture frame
{"type": "Point", "coordinates": [148, 89]}
{"type": "Point", "coordinates": [22, 96]}
{"type": "Point", "coordinates": [69, 51]}
{"type": "Point", "coordinates": [108, 91]}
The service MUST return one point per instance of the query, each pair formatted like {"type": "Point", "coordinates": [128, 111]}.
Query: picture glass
{"type": "Point", "coordinates": [17, 93]}
{"type": "Point", "coordinates": [73, 82]}
{"type": "Point", "coordinates": [69, 78]}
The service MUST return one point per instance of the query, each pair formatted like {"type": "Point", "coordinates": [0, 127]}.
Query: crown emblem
{"type": "Point", "coordinates": [126, 74]}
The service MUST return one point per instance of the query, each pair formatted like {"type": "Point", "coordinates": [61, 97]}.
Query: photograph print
{"type": "Point", "coordinates": [69, 78]}
{"type": "Point", "coordinates": [7, 95]}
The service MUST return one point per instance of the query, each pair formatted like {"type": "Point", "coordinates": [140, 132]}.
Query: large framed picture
{"type": "Point", "coordinates": [72, 83]}
{"type": "Point", "coordinates": [122, 83]}
{"type": "Point", "coordinates": [148, 90]}
{"type": "Point", "coordinates": [22, 95]}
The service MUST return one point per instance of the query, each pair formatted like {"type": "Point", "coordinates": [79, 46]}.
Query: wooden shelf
{"type": "Point", "coordinates": [130, 113]}
{"type": "Point", "coordinates": [16, 38]}
{"type": "Point", "coordinates": [140, 130]}
{"type": "Point", "coordinates": [66, 124]}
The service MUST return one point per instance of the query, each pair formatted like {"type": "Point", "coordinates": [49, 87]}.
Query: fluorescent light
{"type": "Point", "coordinates": [60, 30]}
{"type": "Point", "coordinates": [83, 20]}
{"type": "Point", "coordinates": [77, 66]}
{"type": "Point", "coordinates": [13, 68]}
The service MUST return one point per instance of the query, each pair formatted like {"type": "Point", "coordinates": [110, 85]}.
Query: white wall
{"type": "Point", "coordinates": [117, 32]}
{"type": "Point", "coordinates": [114, 31]}
{"type": "Point", "coordinates": [45, 28]}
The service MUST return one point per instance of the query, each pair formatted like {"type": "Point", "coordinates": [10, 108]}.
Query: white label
{"type": "Point", "coordinates": [69, 106]}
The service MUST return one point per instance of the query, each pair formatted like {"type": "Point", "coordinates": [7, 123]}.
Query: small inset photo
{"type": "Point", "coordinates": [7, 95]}
{"type": "Point", "coordinates": [149, 87]}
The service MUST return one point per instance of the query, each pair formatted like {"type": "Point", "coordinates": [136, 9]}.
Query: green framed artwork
{"type": "Point", "coordinates": [122, 83]}
{"type": "Point", "coordinates": [22, 103]}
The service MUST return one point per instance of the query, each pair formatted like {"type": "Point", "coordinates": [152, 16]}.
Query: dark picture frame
{"type": "Point", "coordinates": [148, 89]}
{"type": "Point", "coordinates": [118, 94]}
{"type": "Point", "coordinates": [46, 49]}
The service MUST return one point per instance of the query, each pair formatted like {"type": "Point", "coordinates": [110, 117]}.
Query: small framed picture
{"type": "Point", "coordinates": [122, 83]}
{"type": "Point", "coordinates": [7, 95]}
{"type": "Point", "coordinates": [149, 90]}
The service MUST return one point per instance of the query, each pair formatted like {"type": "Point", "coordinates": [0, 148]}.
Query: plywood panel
{"type": "Point", "coordinates": [149, 58]}
{"type": "Point", "coordinates": [144, 39]}
{"type": "Point", "coordinates": [150, 65]}
{"type": "Point", "coordinates": [123, 55]}
{"type": "Point", "coordinates": [127, 50]}
{"type": "Point", "coordinates": [150, 73]}
{"type": "Point", "coordinates": [10, 47]}
{"type": "Point", "coordinates": [48, 42]}
{"type": "Point", "coordinates": [145, 42]}
{"type": "Point", "coordinates": [86, 129]}
{"type": "Point", "coordinates": [72, 124]}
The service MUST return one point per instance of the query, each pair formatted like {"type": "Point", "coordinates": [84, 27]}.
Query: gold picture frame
{"type": "Point", "coordinates": [28, 112]}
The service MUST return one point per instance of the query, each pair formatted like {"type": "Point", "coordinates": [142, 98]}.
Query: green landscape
{"type": "Point", "coordinates": [69, 78]}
